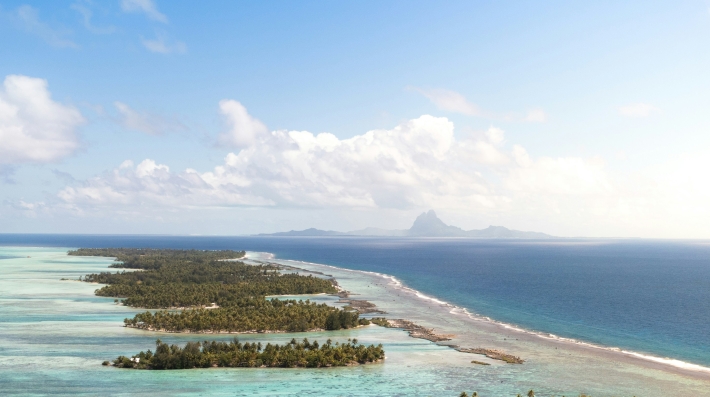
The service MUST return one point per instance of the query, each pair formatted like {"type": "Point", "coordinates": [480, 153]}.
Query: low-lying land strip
{"type": "Point", "coordinates": [417, 331]}
{"type": "Point", "coordinates": [236, 354]}
{"type": "Point", "coordinates": [492, 353]}
{"type": "Point", "coordinates": [362, 306]}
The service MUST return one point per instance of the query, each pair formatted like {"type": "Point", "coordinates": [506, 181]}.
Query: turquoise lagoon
{"type": "Point", "coordinates": [54, 335]}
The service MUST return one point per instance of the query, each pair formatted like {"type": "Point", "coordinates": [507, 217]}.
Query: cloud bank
{"type": "Point", "coordinates": [418, 164]}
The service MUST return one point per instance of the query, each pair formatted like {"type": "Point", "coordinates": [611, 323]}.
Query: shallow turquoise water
{"type": "Point", "coordinates": [54, 334]}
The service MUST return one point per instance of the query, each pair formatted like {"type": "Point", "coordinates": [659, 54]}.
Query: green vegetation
{"type": "Point", "coordinates": [236, 354]}
{"type": "Point", "coordinates": [381, 321]}
{"type": "Point", "coordinates": [250, 315]}
{"type": "Point", "coordinates": [179, 278]}
{"type": "Point", "coordinates": [196, 279]}
{"type": "Point", "coordinates": [149, 289]}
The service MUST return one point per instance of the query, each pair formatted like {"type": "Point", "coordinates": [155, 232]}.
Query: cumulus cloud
{"type": "Point", "coordinates": [162, 45]}
{"type": "Point", "coordinates": [145, 122]}
{"type": "Point", "coordinates": [146, 7]}
{"type": "Point", "coordinates": [244, 130]}
{"type": "Point", "coordinates": [637, 110]}
{"type": "Point", "coordinates": [418, 164]}
{"type": "Point", "coordinates": [33, 127]}
{"type": "Point", "coordinates": [27, 18]}
{"type": "Point", "coordinates": [484, 151]}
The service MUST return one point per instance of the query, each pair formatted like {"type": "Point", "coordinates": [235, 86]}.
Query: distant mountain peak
{"type": "Point", "coordinates": [426, 220]}
{"type": "Point", "coordinates": [428, 224]}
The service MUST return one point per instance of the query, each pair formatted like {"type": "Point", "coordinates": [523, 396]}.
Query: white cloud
{"type": "Point", "coordinates": [148, 123]}
{"type": "Point", "coordinates": [451, 101]}
{"type": "Point", "coordinates": [244, 129]}
{"type": "Point", "coordinates": [162, 45]}
{"type": "Point", "coordinates": [484, 151]}
{"type": "Point", "coordinates": [416, 165]}
{"type": "Point", "coordinates": [33, 127]}
{"type": "Point", "coordinates": [147, 7]}
{"type": "Point", "coordinates": [27, 18]}
{"type": "Point", "coordinates": [637, 110]}
{"type": "Point", "coordinates": [86, 15]}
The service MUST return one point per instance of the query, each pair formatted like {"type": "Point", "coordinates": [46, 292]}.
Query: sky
{"type": "Point", "coordinates": [230, 118]}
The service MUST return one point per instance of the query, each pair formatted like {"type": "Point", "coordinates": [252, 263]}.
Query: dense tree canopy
{"type": "Point", "coordinates": [237, 354]}
{"type": "Point", "coordinates": [193, 280]}
{"type": "Point", "coordinates": [250, 315]}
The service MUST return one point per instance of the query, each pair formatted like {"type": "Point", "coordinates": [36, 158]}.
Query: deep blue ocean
{"type": "Point", "coordinates": [649, 296]}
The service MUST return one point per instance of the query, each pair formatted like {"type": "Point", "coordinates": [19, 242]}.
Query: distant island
{"type": "Point", "coordinates": [426, 225]}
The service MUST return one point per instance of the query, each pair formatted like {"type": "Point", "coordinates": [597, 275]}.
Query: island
{"type": "Point", "coordinates": [198, 291]}
{"type": "Point", "coordinates": [294, 354]}
{"type": "Point", "coordinates": [214, 293]}
{"type": "Point", "coordinates": [426, 224]}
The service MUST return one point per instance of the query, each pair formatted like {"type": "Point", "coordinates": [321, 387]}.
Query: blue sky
{"type": "Point", "coordinates": [571, 118]}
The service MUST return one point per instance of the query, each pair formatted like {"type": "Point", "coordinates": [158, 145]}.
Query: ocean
{"type": "Point", "coordinates": [649, 297]}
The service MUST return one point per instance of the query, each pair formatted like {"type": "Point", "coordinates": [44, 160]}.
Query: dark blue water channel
{"type": "Point", "coordinates": [645, 295]}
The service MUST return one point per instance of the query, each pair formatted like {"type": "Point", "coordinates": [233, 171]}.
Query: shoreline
{"type": "Point", "coordinates": [666, 364]}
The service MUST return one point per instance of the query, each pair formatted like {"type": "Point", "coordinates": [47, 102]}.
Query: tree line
{"type": "Point", "coordinates": [236, 354]}
{"type": "Point", "coordinates": [250, 315]}
{"type": "Point", "coordinates": [153, 258]}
